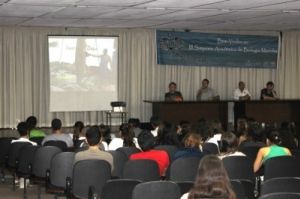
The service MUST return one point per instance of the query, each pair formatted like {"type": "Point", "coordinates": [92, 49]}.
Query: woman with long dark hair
{"type": "Point", "coordinates": [212, 181]}
{"type": "Point", "coordinates": [126, 138]}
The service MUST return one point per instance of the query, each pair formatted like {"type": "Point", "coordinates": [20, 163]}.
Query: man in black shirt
{"type": "Point", "coordinates": [173, 95]}
{"type": "Point", "coordinates": [269, 93]}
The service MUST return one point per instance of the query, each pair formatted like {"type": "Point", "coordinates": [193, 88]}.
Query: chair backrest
{"type": "Point", "coordinates": [26, 156]}
{"type": "Point", "coordinates": [119, 189]}
{"type": "Point", "coordinates": [282, 166]}
{"type": "Point", "coordinates": [119, 159]}
{"type": "Point", "coordinates": [90, 173]}
{"type": "Point", "coordinates": [37, 140]}
{"type": "Point", "coordinates": [185, 186]}
{"type": "Point", "coordinates": [277, 185]}
{"type": "Point", "coordinates": [58, 143]}
{"type": "Point", "coordinates": [128, 151]}
{"type": "Point", "coordinates": [5, 143]}
{"type": "Point", "coordinates": [61, 168]}
{"type": "Point", "coordinates": [156, 190]}
{"type": "Point", "coordinates": [184, 169]}
{"type": "Point", "coordinates": [210, 148]}
{"type": "Point", "coordinates": [144, 170]}
{"type": "Point", "coordinates": [280, 196]}
{"type": "Point", "coordinates": [170, 149]}
{"type": "Point", "coordinates": [238, 189]}
{"type": "Point", "coordinates": [239, 168]}
{"type": "Point", "coordinates": [14, 151]}
{"type": "Point", "coordinates": [42, 160]}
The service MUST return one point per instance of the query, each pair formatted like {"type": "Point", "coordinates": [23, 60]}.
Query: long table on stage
{"type": "Point", "coordinates": [262, 111]}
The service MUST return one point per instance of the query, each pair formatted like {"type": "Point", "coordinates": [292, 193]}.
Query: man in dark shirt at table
{"type": "Point", "coordinates": [269, 93]}
{"type": "Point", "coordinates": [173, 95]}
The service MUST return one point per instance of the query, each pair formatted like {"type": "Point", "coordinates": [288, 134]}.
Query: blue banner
{"type": "Point", "coordinates": [209, 49]}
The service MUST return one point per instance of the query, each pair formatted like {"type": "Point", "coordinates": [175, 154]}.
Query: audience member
{"type": "Point", "coordinates": [212, 181]}
{"type": "Point", "coordinates": [215, 132]}
{"type": "Point", "coordinates": [229, 146]}
{"type": "Point", "coordinates": [269, 93]}
{"type": "Point", "coordinates": [126, 138]}
{"type": "Point", "coordinates": [173, 95]}
{"type": "Point", "coordinates": [57, 134]}
{"type": "Point", "coordinates": [146, 142]}
{"type": "Point", "coordinates": [167, 135]}
{"type": "Point", "coordinates": [93, 137]}
{"type": "Point", "coordinates": [155, 123]}
{"type": "Point", "coordinates": [182, 130]}
{"type": "Point", "coordinates": [206, 93]}
{"type": "Point", "coordinates": [271, 150]}
{"type": "Point", "coordinates": [33, 130]}
{"type": "Point", "coordinates": [105, 133]}
{"type": "Point", "coordinates": [78, 135]}
{"type": "Point", "coordinates": [192, 147]}
{"type": "Point", "coordinates": [23, 131]}
{"type": "Point", "coordinates": [135, 124]}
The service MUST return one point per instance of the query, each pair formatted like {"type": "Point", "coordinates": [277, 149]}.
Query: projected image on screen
{"type": "Point", "coordinates": [83, 72]}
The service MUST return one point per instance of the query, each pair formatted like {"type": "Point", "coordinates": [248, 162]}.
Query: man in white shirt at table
{"type": "Point", "coordinates": [241, 93]}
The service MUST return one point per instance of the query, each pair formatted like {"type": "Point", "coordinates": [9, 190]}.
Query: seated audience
{"type": "Point", "coordinates": [105, 132]}
{"type": "Point", "coordinates": [23, 131]}
{"type": "Point", "coordinates": [271, 150]}
{"type": "Point", "coordinates": [287, 135]}
{"type": "Point", "coordinates": [183, 129]}
{"type": "Point", "coordinates": [269, 93]}
{"type": "Point", "coordinates": [173, 95]}
{"type": "Point", "coordinates": [215, 132]}
{"type": "Point", "coordinates": [135, 124]}
{"type": "Point", "coordinates": [155, 123]}
{"type": "Point", "coordinates": [57, 134]}
{"type": "Point", "coordinates": [126, 139]}
{"type": "Point", "coordinates": [229, 146]}
{"type": "Point", "coordinates": [78, 134]}
{"type": "Point", "coordinates": [255, 136]}
{"type": "Point", "coordinates": [33, 130]}
{"type": "Point", "coordinates": [93, 137]}
{"type": "Point", "coordinates": [212, 181]}
{"type": "Point", "coordinates": [192, 143]}
{"type": "Point", "coordinates": [146, 142]}
{"type": "Point", "coordinates": [167, 135]}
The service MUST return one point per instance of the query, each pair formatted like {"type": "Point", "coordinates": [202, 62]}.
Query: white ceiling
{"type": "Point", "coordinates": [274, 15]}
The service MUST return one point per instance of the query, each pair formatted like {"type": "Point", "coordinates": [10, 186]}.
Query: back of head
{"type": "Point", "coordinates": [31, 122]}
{"type": "Point", "coordinates": [229, 142]}
{"type": "Point", "coordinates": [146, 140]}
{"type": "Point", "coordinates": [93, 135]}
{"type": "Point", "coordinates": [78, 127]}
{"type": "Point", "coordinates": [56, 124]}
{"type": "Point", "coordinates": [127, 134]}
{"type": "Point", "coordinates": [192, 140]}
{"type": "Point", "coordinates": [155, 121]}
{"type": "Point", "coordinates": [135, 122]}
{"type": "Point", "coordinates": [212, 180]}
{"type": "Point", "coordinates": [274, 137]}
{"type": "Point", "coordinates": [22, 129]}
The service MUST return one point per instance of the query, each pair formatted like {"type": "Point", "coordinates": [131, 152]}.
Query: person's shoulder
{"type": "Point", "coordinates": [185, 196]}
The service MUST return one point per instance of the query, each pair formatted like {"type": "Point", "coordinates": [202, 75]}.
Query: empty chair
{"type": "Point", "coordinates": [5, 143]}
{"type": "Point", "coordinates": [156, 190]}
{"type": "Point", "coordinates": [185, 186]}
{"type": "Point", "coordinates": [238, 189]}
{"type": "Point", "coordinates": [61, 169]}
{"type": "Point", "coordinates": [144, 170]}
{"type": "Point", "coordinates": [278, 185]}
{"type": "Point", "coordinates": [280, 196]}
{"type": "Point", "coordinates": [170, 149]}
{"type": "Point", "coordinates": [282, 166]}
{"type": "Point", "coordinates": [89, 177]}
{"type": "Point", "coordinates": [58, 143]}
{"type": "Point", "coordinates": [128, 151]}
{"type": "Point", "coordinates": [37, 140]}
{"type": "Point", "coordinates": [119, 189]}
{"type": "Point", "coordinates": [184, 169]}
{"type": "Point", "coordinates": [210, 148]}
{"type": "Point", "coordinates": [119, 162]}
{"type": "Point", "coordinates": [42, 163]}
{"type": "Point", "coordinates": [240, 168]}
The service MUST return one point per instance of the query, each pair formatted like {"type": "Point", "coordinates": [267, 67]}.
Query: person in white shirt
{"type": "Point", "coordinates": [155, 122]}
{"type": "Point", "coordinates": [229, 146]}
{"type": "Point", "coordinates": [23, 131]}
{"type": "Point", "coordinates": [241, 93]}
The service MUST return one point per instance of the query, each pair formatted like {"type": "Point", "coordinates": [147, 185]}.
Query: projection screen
{"type": "Point", "coordinates": [83, 72]}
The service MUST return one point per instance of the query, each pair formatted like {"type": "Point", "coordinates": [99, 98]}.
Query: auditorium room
{"type": "Point", "coordinates": [150, 99]}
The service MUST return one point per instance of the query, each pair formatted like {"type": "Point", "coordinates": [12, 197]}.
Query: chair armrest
{"type": "Point", "coordinates": [68, 190]}
{"type": "Point", "coordinates": [92, 193]}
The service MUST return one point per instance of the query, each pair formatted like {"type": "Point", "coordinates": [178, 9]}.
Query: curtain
{"type": "Point", "coordinates": [24, 72]}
